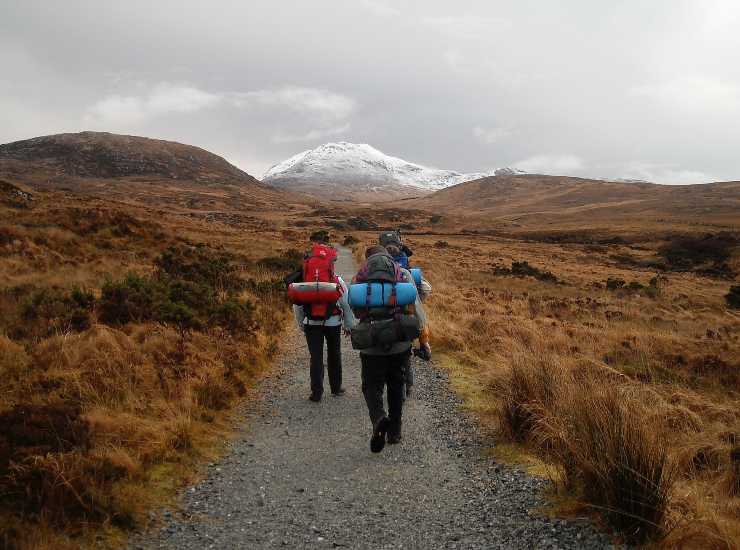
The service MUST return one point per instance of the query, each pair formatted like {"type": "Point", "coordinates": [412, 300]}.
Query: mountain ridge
{"type": "Point", "coordinates": [343, 168]}
{"type": "Point", "coordinates": [534, 199]}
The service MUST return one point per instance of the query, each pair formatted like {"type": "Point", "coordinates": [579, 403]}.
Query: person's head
{"type": "Point", "coordinates": [320, 237]}
{"type": "Point", "coordinates": [393, 250]}
{"type": "Point", "coordinates": [373, 250]}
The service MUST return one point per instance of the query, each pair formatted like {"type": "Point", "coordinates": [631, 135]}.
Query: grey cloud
{"type": "Point", "coordinates": [629, 89]}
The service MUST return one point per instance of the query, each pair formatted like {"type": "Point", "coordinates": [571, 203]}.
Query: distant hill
{"type": "Point", "coordinates": [360, 171]}
{"type": "Point", "coordinates": [536, 201]}
{"type": "Point", "coordinates": [131, 169]}
{"type": "Point", "coordinates": [105, 155]}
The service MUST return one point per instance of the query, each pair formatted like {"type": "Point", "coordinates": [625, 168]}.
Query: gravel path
{"type": "Point", "coordinates": [301, 475]}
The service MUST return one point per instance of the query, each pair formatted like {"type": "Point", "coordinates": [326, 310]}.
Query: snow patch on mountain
{"type": "Point", "coordinates": [363, 166]}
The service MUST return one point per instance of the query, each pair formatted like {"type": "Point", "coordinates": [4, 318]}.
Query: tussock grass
{"type": "Point", "coordinates": [124, 345]}
{"type": "Point", "coordinates": [632, 396]}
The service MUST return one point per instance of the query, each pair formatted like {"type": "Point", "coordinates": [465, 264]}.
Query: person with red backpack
{"type": "Point", "coordinates": [320, 308]}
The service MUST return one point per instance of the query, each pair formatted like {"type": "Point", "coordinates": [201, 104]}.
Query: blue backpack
{"type": "Point", "coordinates": [402, 260]}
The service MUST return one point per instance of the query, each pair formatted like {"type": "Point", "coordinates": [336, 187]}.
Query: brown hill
{"type": "Point", "coordinates": [536, 201]}
{"type": "Point", "coordinates": [105, 155]}
{"type": "Point", "coordinates": [139, 170]}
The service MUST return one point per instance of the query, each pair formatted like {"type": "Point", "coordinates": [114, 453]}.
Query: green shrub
{"type": "Point", "coordinates": [524, 269]}
{"type": "Point", "coordinates": [193, 295]}
{"type": "Point", "coordinates": [133, 298]}
{"type": "Point", "coordinates": [200, 265]}
{"type": "Point", "coordinates": [686, 253]}
{"type": "Point", "coordinates": [652, 290]}
{"type": "Point", "coordinates": [179, 315]}
{"type": "Point", "coordinates": [613, 283]}
{"type": "Point", "coordinates": [235, 316]}
{"type": "Point", "coordinates": [180, 303]}
{"type": "Point", "coordinates": [362, 224]}
{"type": "Point", "coordinates": [290, 260]}
{"type": "Point", "coordinates": [320, 236]}
{"type": "Point", "coordinates": [340, 226]}
{"type": "Point", "coordinates": [58, 309]}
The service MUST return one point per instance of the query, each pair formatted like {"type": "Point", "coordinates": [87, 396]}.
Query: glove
{"type": "Point", "coordinates": [424, 352]}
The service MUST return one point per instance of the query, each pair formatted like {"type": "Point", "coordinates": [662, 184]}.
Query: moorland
{"type": "Point", "coordinates": [592, 328]}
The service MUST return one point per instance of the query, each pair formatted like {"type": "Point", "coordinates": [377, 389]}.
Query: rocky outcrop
{"type": "Point", "coordinates": [13, 196]}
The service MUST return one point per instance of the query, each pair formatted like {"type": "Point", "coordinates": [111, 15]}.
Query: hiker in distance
{"type": "Point", "coordinates": [390, 317]}
{"type": "Point", "coordinates": [321, 310]}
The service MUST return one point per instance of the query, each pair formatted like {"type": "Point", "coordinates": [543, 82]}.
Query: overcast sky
{"type": "Point", "coordinates": [636, 88]}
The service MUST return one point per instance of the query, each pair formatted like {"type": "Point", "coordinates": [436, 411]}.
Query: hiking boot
{"type": "Point", "coordinates": [315, 397]}
{"type": "Point", "coordinates": [339, 392]}
{"type": "Point", "coordinates": [377, 441]}
{"type": "Point", "coordinates": [394, 439]}
{"type": "Point", "coordinates": [394, 432]}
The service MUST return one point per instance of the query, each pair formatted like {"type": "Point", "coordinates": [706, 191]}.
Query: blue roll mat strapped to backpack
{"type": "Point", "coordinates": [416, 274]}
{"type": "Point", "coordinates": [379, 294]}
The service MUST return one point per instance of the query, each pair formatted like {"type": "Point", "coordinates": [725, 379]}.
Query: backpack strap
{"type": "Point", "coordinates": [367, 299]}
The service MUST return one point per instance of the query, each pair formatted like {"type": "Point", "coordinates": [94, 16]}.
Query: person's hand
{"type": "Point", "coordinates": [424, 352]}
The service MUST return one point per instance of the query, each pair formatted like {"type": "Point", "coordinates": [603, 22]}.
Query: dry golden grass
{"type": "Point", "coordinates": [632, 395]}
{"type": "Point", "coordinates": [102, 422]}
{"type": "Point", "coordinates": [584, 375]}
{"type": "Point", "coordinates": [598, 384]}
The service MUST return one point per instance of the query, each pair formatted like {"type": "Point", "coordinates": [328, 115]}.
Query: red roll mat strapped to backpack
{"type": "Point", "coordinates": [314, 293]}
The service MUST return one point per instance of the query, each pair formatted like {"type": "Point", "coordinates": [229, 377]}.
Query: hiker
{"type": "Point", "coordinates": [384, 336]}
{"type": "Point", "coordinates": [424, 351]}
{"type": "Point", "coordinates": [321, 309]}
{"type": "Point", "coordinates": [393, 238]}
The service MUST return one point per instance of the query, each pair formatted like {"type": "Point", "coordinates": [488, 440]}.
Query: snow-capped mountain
{"type": "Point", "coordinates": [350, 168]}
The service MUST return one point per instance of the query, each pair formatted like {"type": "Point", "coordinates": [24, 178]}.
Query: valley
{"type": "Point", "coordinates": [589, 327]}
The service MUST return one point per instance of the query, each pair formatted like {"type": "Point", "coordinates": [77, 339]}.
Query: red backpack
{"type": "Point", "coordinates": [318, 300]}
{"type": "Point", "coordinates": [319, 265]}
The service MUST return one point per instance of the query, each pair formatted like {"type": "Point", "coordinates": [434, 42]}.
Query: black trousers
{"type": "Point", "coordinates": [315, 336]}
{"type": "Point", "coordinates": [378, 372]}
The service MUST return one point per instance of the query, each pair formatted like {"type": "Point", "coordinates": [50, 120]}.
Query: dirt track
{"type": "Point", "coordinates": [301, 475]}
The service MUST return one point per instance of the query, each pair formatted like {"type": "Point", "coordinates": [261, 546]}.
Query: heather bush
{"type": "Point", "coordinates": [523, 269]}
{"type": "Point", "coordinates": [200, 265]}
{"type": "Point", "coordinates": [613, 283]}
{"type": "Point", "coordinates": [133, 298]}
{"type": "Point", "coordinates": [320, 236]}
{"type": "Point", "coordinates": [290, 260]}
{"type": "Point", "coordinates": [57, 310]}
{"type": "Point", "coordinates": [687, 253]}
{"type": "Point", "coordinates": [733, 297]}
{"type": "Point", "coordinates": [235, 316]}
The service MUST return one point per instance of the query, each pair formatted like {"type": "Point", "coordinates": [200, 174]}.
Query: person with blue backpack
{"type": "Point", "coordinates": [402, 253]}
{"type": "Point", "coordinates": [390, 315]}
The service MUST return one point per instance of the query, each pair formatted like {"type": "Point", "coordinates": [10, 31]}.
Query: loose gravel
{"type": "Point", "coordinates": [301, 475]}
